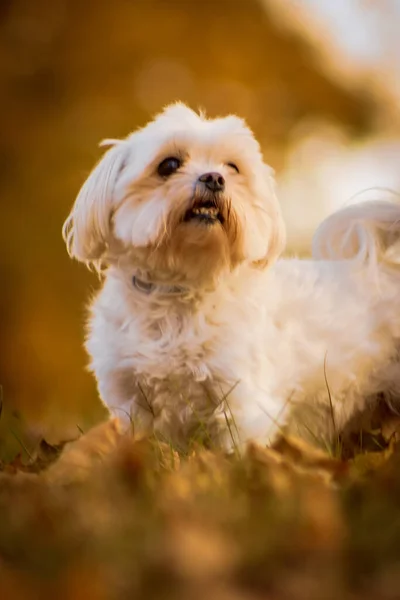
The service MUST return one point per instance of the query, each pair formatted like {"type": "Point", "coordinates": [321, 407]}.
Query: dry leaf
{"type": "Point", "coordinates": [79, 457]}
{"type": "Point", "coordinates": [303, 454]}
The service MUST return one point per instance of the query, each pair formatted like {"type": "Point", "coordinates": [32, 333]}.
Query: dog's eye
{"type": "Point", "coordinates": [233, 166]}
{"type": "Point", "coordinates": [168, 166]}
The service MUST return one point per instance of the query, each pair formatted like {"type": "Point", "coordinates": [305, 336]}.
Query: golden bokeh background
{"type": "Point", "coordinates": [73, 72]}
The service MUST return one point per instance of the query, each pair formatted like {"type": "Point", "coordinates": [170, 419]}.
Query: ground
{"type": "Point", "coordinates": [111, 516]}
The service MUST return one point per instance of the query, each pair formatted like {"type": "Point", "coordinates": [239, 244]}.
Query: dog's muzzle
{"type": "Point", "coordinates": [207, 208]}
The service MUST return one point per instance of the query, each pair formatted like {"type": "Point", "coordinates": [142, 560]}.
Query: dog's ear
{"type": "Point", "coordinates": [274, 225]}
{"type": "Point", "coordinates": [87, 228]}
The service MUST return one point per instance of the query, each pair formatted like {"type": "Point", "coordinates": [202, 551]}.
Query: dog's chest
{"type": "Point", "coordinates": [174, 346]}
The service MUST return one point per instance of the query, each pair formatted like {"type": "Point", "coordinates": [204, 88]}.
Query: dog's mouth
{"type": "Point", "coordinates": [204, 211]}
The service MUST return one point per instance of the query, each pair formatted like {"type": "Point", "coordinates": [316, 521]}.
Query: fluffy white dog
{"type": "Point", "coordinates": [198, 327]}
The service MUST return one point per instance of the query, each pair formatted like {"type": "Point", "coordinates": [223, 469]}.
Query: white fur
{"type": "Point", "coordinates": [244, 344]}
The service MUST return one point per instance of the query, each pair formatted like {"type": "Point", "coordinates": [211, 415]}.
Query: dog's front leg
{"type": "Point", "coordinates": [125, 399]}
{"type": "Point", "coordinates": [250, 414]}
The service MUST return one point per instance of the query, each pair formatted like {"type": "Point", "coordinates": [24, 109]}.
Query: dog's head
{"type": "Point", "coordinates": [185, 198]}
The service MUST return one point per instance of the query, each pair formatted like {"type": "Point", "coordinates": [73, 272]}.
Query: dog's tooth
{"type": "Point", "coordinates": [209, 211]}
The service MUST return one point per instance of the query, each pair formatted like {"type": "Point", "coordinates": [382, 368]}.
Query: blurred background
{"type": "Point", "coordinates": [318, 81]}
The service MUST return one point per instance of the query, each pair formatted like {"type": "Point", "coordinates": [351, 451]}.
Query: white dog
{"type": "Point", "coordinates": [198, 327]}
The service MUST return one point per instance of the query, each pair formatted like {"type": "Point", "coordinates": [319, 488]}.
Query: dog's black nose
{"type": "Point", "coordinates": [213, 181]}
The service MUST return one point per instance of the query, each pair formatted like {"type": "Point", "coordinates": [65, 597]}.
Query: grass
{"type": "Point", "coordinates": [113, 517]}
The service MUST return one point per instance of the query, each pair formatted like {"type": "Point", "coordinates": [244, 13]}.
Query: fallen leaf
{"type": "Point", "coordinates": [79, 457]}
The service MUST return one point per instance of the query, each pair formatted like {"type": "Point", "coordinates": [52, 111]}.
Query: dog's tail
{"type": "Point", "coordinates": [367, 233]}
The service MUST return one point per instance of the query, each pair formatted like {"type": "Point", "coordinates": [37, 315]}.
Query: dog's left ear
{"type": "Point", "coordinates": [275, 230]}
{"type": "Point", "coordinates": [87, 228]}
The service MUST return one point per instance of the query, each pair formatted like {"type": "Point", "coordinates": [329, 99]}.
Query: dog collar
{"type": "Point", "coordinates": [147, 287]}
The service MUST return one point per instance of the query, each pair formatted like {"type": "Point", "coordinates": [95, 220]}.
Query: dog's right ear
{"type": "Point", "coordinates": [87, 228]}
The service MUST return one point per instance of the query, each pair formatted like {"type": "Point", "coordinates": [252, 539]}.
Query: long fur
{"type": "Point", "coordinates": [230, 343]}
